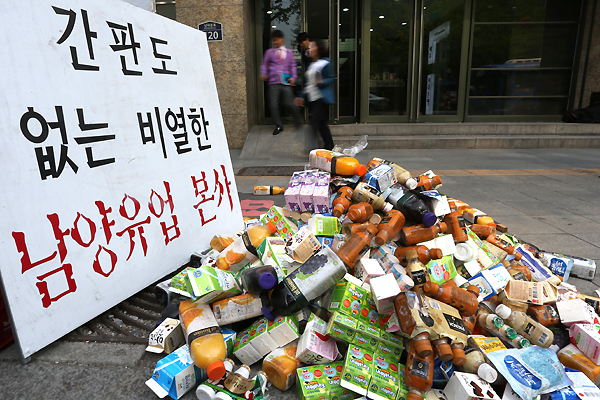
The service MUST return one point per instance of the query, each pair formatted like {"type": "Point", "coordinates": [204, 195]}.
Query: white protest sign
{"type": "Point", "coordinates": [115, 165]}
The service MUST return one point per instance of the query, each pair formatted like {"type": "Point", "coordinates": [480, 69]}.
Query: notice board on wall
{"type": "Point", "coordinates": [115, 165]}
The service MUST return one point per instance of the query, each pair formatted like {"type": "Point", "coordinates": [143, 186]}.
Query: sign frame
{"type": "Point", "coordinates": [213, 30]}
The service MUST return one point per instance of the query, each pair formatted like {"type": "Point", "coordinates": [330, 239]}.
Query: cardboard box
{"type": "Point", "coordinates": [315, 348]}
{"type": "Point", "coordinates": [321, 194]}
{"type": "Point", "coordinates": [306, 192]}
{"type": "Point", "coordinates": [576, 311]}
{"type": "Point", "coordinates": [176, 374]}
{"type": "Point", "coordinates": [211, 284]}
{"type": "Point", "coordinates": [341, 327]}
{"type": "Point", "coordinates": [531, 292]}
{"type": "Point", "coordinates": [587, 339]}
{"type": "Point", "coordinates": [283, 329]}
{"type": "Point", "coordinates": [365, 269]}
{"type": "Point", "coordinates": [292, 193]}
{"type": "Point", "coordinates": [442, 270]}
{"type": "Point", "coordinates": [369, 312]}
{"type": "Point", "coordinates": [285, 228]}
{"type": "Point", "coordinates": [418, 313]}
{"type": "Point", "coordinates": [464, 386]}
{"type": "Point", "coordinates": [384, 289]}
{"type": "Point", "coordinates": [272, 252]}
{"type": "Point", "coordinates": [302, 245]}
{"type": "Point", "coordinates": [321, 225]}
{"type": "Point", "coordinates": [348, 299]}
{"type": "Point", "coordinates": [384, 378]}
{"type": "Point", "coordinates": [311, 383]}
{"type": "Point", "coordinates": [180, 284]}
{"type": "Point", "coordinates": [167, 337]}
{"type": "Point", "coordinates": [583, 268]}
{"type": "Point", "coordinates": [491, 281]}
{"type": "Point", "coordinates": [559, 265]}
{"type": "Point", "coordinates": [358, 369]}
{"type": "Point", "coordinates": [381, 177]}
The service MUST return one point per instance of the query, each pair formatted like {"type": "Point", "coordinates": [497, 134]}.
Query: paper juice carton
{"type": "Point", "coordinates": [285, 228]}
{"type": "Point", "coordinates": [272, 252]}
{"type": "Point", "coordinates": [283, 330]}
{"type": "Point", "coordinates": [302, 245]}
{"type": "Point", "coordinates": [306, 192]}
{"type": "Point", "coordinates": [491, 281]}
{"type": "Point", "coordinates": [384, 379]}
{"type": "Point", "coordinates": [341, 327]}
{"type": "Point", "coordinates": [181, 285]}
{"type": "Point", "coordinates": [442, 270]}
{"type": "Point", "coordinates": [348, 299]}
{"type": "Point", "coordinates": [381, 177]}
{"type": "Point", "coordinates": [243, 350]}
{"type": "Point", "coordinates": [212, 284]}
{"type": "Point", "coordinates": [358, 369]}
{"type": "Point", "coordinates": [369, 312]}
{"type": "Point", "coordinates": [292, 193]}
{"type": "Point", "coordinates": [402, 388]}
{"type": "Point", "coordinates": [484, 255]}
{"type": "Point", "coordinates": [315, 348]}
{"type": "Point", "coordinates": [539, 272]}
{"type": "Point", "coordinates": [587, 339]}
{"type": "Point", "coordinates": [332, 373]}
{"type": "Point", "coordinates": [321, 193]}
{"type": "Point", "coordinates": [311, 383]}
{"type": "Point", "coordinates": [229, 336]}
{"type": "Point", "coordinates": [368, 268]}
{"type": "Point", "coordinates": [321, 225]}
{"type": "Point", "coordinates": [384, 289]}
{"type": "Point", "coordinates": [260, 338]}
{"type": "Point", "coordinates": [176, 374]}
{"type": "Point", "coordinates": [167, 337]}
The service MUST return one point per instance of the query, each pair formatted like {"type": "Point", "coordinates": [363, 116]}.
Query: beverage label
{"type": "Point", "coordinates": [419, 277]}
{"type": "Point", "coordinates": [357, 370]}
{"type": "Point", "coordinates": [420, 368]}
{"type": "Point", "coordinates": [319, 273]}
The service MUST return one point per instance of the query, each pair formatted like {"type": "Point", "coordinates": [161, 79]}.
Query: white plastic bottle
{"type": "Point", "coordinates": [532, 330]}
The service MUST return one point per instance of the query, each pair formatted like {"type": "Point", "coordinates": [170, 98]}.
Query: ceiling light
{"type": "Point", "coordinates": [371, 29]}
{"type": "Point", "coordinates": [381, 17]}
{"type": "Point", "coordinates": [274, 26]}
{"type": "Point", "coordinates": [269, 12]}
{"type": "Point", "coordinates": [404, 23]}
{"type": "Point", "coordinates": [346, 9]}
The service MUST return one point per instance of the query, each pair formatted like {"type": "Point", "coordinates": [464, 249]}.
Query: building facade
{"type": "Point", "coordinates": [411, 61]}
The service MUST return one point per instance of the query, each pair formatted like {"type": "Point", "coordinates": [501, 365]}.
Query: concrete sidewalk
{"type": "Point", "coordinates": [549, 197]}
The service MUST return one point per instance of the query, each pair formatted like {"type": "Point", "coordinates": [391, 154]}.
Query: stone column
{"type": "Point", "coordinates": [228, 58]}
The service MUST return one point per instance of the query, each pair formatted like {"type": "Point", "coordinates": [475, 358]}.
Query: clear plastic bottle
{"type": "Point", "coordinates": [456, 226]}
{"type": "Point", "coordinates": [425, 183]}
{"type": "Point", "coordinates": [355, 246]}
{"type": "Point", "coordinates": [336, 163]}
{"type": "Point", "coordinates": [280, 366]}
{"type": "Point", "coordinates": [425, 254]}
{"type": "Point", "coordinates": [532, 330]}
{"type": "Point", "coordinates": [571, 357]}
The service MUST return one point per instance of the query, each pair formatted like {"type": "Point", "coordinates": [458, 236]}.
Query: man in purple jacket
{"type": "Point", "coordinates": [278, 69]}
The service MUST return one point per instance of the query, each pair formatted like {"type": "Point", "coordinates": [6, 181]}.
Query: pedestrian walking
{"type": "Point", "coordinates": [278, 69]}
{"type": "Point", "coordinates": [318, 91]}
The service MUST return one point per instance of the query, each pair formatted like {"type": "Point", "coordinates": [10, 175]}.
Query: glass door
{"type": "Point", "coordinates": [346, 60]}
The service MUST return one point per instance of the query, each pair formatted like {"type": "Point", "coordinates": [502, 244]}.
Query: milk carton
{"type": "Point", "coordinates": [306, 192]}
{"type": "Point", "coordinates": [292, 193]}
{"type": "Point", "coordinates": [321, 194]}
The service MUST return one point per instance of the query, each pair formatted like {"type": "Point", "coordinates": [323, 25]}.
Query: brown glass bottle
{"type": "Point", "coordinates": [545, 315]}
{"type": "Point", "coordinates": [342, 200]}
{"type": "Point", "coordinates": [456, 226]}
{"type": "Point", "coordinates": [425, 254]}
{"type": "Point", "coordinates": [418, 373]}
{"type": "Point", "coordinates": [504, 245]}
{"type": "Point", "coordinates": [389, 227]}
{"type": "Point", "coordinates": [353, 248]}
{"type": "Point", "coordinates": [465, 301]}
{"type": "Point", "coordinates": [410, 235]}
{"type": "Point", "coordinates": [360, 212]}
{"type": "Point", "coordinates": [416, 271]}
{"type": "Point", "coordinates": [483, 231]}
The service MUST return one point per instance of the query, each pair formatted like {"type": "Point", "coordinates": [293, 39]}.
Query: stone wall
{"type": "Point", "coordinates": [590, 82]}
{"type": "Point", "coordinates": [229, 57]}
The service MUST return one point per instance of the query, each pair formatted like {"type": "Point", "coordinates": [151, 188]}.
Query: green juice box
{"type": "Point", "coordinates": [341, 327]}
{"type": "Point", "coordinates": [348, 299]}
{"type": "Point", "coordinates": [402, 388]}
{"type": "Point", "coordinates": [384, 378]}
{"type": "Point", "coordinates": [358, 369]}
{"type": "Point", "coordinates": [333, 377]}
{"type": "Point", "coordinates": [369, 313]}
{"type": "Point", "coordinates": [311, 383]}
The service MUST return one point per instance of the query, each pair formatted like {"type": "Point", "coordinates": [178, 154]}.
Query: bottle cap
{"type": "Point", "coordinates": [464, 252]}
{"type": "Point", "coordinates": [387, 207]}
{"type": "Point", "coordinates": [423, 348]}
{"type": "Point", "coordinates": [267, 313]}
{"type": "Point", "coordinates": [436, 254]}
{"type": "Point", "coordinates": [360, 170]}
{"type": "Point", "coordinates": [487, 373]}
{"type": "Point", "coordinates": [205, 392]}
{"type": "Point", "coordinates": [458, 355]}
{"type": "Point", "coordinates": [503, 311]}
{"type": "Point", "coordinates": [271, 227]}
{"type": "Point", "coordinates": [338, 210]}
{"type": "Point", "coordinates": [496, 322]}
{"type": "Point", "coordinates": [353, 214]}
{"type": "Point", "coordinates": [444, 352]}
{"type": "Point", "coordinates": [410, 183]}
{"type": "Point", "coordinates": [381, 238]}
{"type": "Point", "coordinates": [216, 370]}
{"type": "Point", "coordinates": [436, 180]}
{"type": "Point", "coordinates": [229, 364]}
{"type": "Point", "coordinates": [510, 333]}
{"type": "Point", "coordinates": [222, 396]}
{"type": "Point", "coordinates": [429, 219]}
{"type": "Point", "coordinates": [266, 280]}
{"type": "Point", "coordinates": [526, 343]}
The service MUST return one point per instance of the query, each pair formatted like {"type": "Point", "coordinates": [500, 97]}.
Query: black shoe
{"type": "Point", "coordinates": [278, 130]}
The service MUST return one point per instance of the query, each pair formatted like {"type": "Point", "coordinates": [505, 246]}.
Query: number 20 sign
{"type": "Point", "coordinates": [213, 30]}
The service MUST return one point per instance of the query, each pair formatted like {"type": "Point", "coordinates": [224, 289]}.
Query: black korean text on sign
{"type": "Point", "coordinates": [89, 35]}
{"type": "Point", "coordinates": [176, 122]}
{"type": "Point", "coordinates": [121, 35]}
{"type": "Point", "coordinates": [93, 139]}
{"type": "Point", "coordinates": [148, 125]}
{"type": "Point", "coordinates": [161, 57]}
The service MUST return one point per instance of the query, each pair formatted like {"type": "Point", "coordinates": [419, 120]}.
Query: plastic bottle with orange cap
{"type": "Point", "coordinates": [424, 253]}
{"type": "Point", "coordinates": [342, 200]}
{"type": "Point", "coordinates": [267, 190]}
{"type": "Point", "coordinates": [425, 183]}
{"type": "Point", "coordinates": [365, 193]}
{"type": "Point", "coordinates": [418, 373]}
{"type": "Point", "coordinates": [336, 163]}
{"type": "Point", "coordinates": [465, 301]}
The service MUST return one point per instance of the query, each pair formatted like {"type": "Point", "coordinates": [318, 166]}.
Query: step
{"type": "Point", "coordinates": [469, 128]}
{"type": "Point", "coordinates": [474, 142]}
